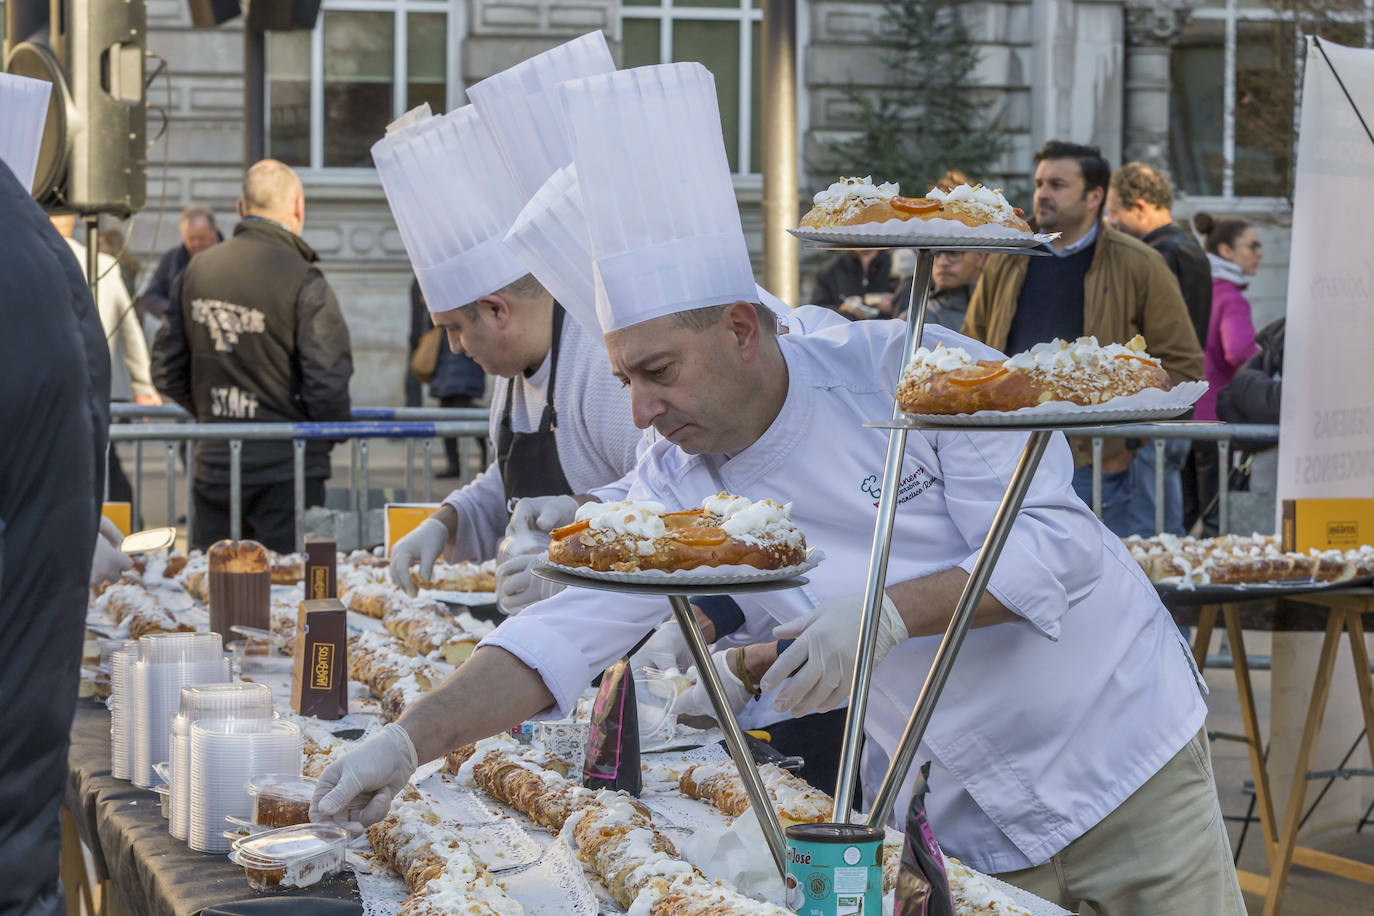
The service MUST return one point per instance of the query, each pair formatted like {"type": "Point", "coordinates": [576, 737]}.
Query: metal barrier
{"type": "Point", "coordinates": [1221, 433]}
{"type": "Point", "coordinates": [472, 424]}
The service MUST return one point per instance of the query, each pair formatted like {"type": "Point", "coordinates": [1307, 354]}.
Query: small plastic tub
{"type": "Point", "coordinates": [297, 856]}
{"type": "Point", "coordinates": [281, 800]}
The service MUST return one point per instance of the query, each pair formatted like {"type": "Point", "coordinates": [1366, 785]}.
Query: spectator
{"type": "Point", "coordinates": [1234, 251]}
{"type": "Point", "coordinates": [1101, 283]}
{"type": "Point", "coordinates": [857, 284]}
{"type": "Point", "coordinates": [130, 371]}
{"type": "Point", "coordinates": [1254, 396]}
{"type": "Point", "coordinates": [113, 244]}
{"type": "Point", "coordinates": [254, 333]}
{"type": "Point", "coordinates": [458, 381]}
{"type": "Point", "coordinates": [198, 232]}
{"type": "Point", "coordinates": [1139, 200]}
{"type": "Point", "coordinates": [952, 282]}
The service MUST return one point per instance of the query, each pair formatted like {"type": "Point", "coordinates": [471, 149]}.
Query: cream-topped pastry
{"type": "Point", "coordinates": [858, 201]}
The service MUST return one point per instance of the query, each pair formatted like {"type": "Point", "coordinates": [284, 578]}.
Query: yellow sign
{"type": "Point", "coordinates": [322, 666]}
{"type": "Point", "coordinates": [122, 514]}
{"type": "Point", "coordinates": [403, 518]}
{"type": "Point", "coordinates": [1327, 524]}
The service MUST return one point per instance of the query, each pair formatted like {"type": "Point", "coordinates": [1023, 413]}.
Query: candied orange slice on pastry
{"type": "Point", "coordinates": [687, 518]}
{"type": "Point", "coordinates": [700, 537]}
{"type": "Point", "coordinates": [915, 204]}
{"type": "Point", "coordinates": [559, 534]}
{"type": "Point", "coordinates": [977, 375]}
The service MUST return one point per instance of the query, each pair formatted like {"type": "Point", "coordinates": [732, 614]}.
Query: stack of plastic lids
{"type": "Point", "coordinates": [205, 701]}
{"type": "Point", "coordinates": [167, 662]}
{"type": "Point", "coordinates": [121, 741]}
{"type": "Point", "coordinates": [225, 756]}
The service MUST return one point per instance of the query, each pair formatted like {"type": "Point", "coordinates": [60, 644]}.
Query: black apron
{"type": "Point", "coordinates": [529, 462]}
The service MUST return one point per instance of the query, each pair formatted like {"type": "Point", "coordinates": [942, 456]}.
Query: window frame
{"type": "Point", "coordinates": [316, 172]}
{"type": "Point", "coordinates": [1231, 15]}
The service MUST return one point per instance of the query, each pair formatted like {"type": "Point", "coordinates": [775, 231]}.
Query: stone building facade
{"type": "Point", "coordinates": [1101, 71]}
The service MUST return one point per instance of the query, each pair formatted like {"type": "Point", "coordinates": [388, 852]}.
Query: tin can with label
{"type": "Point", "coordinates": [835, 869]}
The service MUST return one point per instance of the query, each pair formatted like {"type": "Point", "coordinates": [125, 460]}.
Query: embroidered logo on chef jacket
{"type": "Point", "coordinates": [226, 321]}
{"type": "Point", "coordinates": [233, 402]}
{"type": "Point", "coordinates": [910, 487]}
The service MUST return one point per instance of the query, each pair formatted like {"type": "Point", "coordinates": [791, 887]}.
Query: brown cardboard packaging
{"type": "Point", "coordinates": [319, 673]}
{"type": "Point", "coordinates": [321, 567]}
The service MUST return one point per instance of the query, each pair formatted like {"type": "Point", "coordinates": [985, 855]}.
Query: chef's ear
{"type": "Point", "coordinates": [744, 324]}
{"type": "Point", "coordinates": [494, 308]}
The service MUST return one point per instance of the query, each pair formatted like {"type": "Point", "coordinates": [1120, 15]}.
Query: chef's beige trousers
{"type": "Point", "coordinates": [1163, 850]}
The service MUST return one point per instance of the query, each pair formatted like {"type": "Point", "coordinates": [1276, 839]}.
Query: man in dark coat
{"type": "Point", "coordinates": [55, 372]}
{"type": "Point", "coordinates": [198, 232]}
{"type": "Point", "coordinates": [254, 334]}
{"type": "Point", "coordinates": [458, 381]}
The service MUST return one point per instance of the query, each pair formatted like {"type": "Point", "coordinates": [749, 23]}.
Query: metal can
{"type": "Point", "coordinates": [835, 869]}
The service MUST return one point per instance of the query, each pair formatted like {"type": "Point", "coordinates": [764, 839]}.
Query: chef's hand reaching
{"type": "Point", "coordinates": [541, 514]}
{"type": "Point", "coordinates": [518, 587]}
{"type": "Point", "coordinates": [697, 702]}
{"type": "Point", "coordinates": [424, 545]}
{"type": "Point", "coordinates": [356, 790]}
{"type": "Point", "coordinates": [822, 656]}
{"type": "Point", "coordinates": [108, 562]}
{"type": "Point", "coordinates": [667, 648]}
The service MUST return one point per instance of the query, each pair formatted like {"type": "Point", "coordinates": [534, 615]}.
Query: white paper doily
{"type": "Point", "coordinates": [468, 599]}
{"type": "Point", "coordinates": [922, 233]}
{"type": "Point", "coordinates": [1150, 404]}
{"type": "Point", "coordinates": [556, 885]}
{"type": "Point", "coordinates": [501, 845]}
{"type": "Point", "coordinates": [704, 575]}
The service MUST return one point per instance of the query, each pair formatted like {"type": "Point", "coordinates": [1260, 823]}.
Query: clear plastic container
{"type": "Point", "coordinates": [520, 544]}
{"type": "Point", "coordinates": [290, 857]}
{"type": "Point", "coordinates": [281, 800]}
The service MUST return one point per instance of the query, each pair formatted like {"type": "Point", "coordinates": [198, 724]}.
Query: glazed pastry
{"type": "Point", "coordinates": [858, 201]}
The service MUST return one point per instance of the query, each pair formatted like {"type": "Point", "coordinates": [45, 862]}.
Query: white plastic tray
{"type": "Point", "coordinates": [704, 575]}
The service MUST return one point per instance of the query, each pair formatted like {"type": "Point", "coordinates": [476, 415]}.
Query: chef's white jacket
{"type": "Point", "coordinates": [1046, 724]}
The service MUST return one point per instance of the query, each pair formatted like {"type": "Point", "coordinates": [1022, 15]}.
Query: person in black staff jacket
{"type": "Point", "coordinates": [55, 372]}
{"type": "Point", "coordinates": [254, 334]}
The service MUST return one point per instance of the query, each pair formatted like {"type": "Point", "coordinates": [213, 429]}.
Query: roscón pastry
{"type": "Point", "coordinates": [726, 530]}
{"type": "Point", "coordinates": [858, 201]}
{"type": "Point", "coordinates": [947, 380]}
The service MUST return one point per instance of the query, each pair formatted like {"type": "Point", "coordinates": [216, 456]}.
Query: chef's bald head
{"type": "Point", "coordinates": [272, 190]}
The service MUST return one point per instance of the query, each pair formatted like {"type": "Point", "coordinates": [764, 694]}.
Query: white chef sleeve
{"type": "Point", "coordinates": [482, 515]}
{"type": "Point", "coordinates": [575, 635]}
{"type": "Point", "coordinates": [1053, 556]}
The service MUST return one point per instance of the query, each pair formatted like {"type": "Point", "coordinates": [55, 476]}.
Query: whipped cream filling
{"type": "Point", "coordinates": [1055, 358]}
{"type": "Point", "coordinates": [848, 196]}
{"type": "Point", "coordinates": [986, 201]}
{"type": "Point", "coordinates": [626, 517]}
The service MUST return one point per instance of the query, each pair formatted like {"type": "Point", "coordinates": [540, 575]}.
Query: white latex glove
{"type": "Point", "coordinates": [108, 562]}
{"type": "Point", "coordinates": [667, 648]}
{"type": "Point", "coordinates": [423, 545]}
{"type": "Point", "coordinates": [541, 514]}
{"type": "Point", "coordinates": [697, 702]}
{"type": "Point", "coordinates": [356, 790]}
{"type": "Point", "coordinates": [518, 586]}
{"type": "Point", "coordinates": [827, 640]}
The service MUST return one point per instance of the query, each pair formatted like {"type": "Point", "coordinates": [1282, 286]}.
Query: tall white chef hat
{"type": "Point", "coordinates": [23, 111]}
{"type": "Point", "coordinates": [521, 106]}
{"type": "Point", "coordinates": [656, 188]}
{"type": "Point", "coordinates": [550, 239]}
{"type": "Point", "coordinates": [453, 201]}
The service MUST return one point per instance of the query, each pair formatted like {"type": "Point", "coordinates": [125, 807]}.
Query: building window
{"type": "Point", "coordinates": [332, 91]}
{"type": "Point", "coordinates": [724, 35]}
{"type": "Point", "coordinates": [1237, 79]}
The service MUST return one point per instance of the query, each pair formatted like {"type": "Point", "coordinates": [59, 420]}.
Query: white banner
{"type": "Point", "coordinates": [1326, 442]}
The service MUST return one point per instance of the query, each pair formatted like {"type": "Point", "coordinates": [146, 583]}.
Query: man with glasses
{"type": "Point", "coordinates": [952, 282]}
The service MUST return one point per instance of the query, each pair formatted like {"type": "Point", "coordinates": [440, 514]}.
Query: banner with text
{"type": "Point", "coordinates": [1326, 441]}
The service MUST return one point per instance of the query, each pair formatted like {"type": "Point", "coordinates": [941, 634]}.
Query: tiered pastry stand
{"type": "Point", "coordinates": [974, 590]}
{"type": "Point", "coordinates": [679, 597]}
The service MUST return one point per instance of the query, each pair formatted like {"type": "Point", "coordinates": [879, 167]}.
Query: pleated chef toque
{"type": "Point", "coordinates": [521, 106]}
{"type": "Point", "coordinates": [660, 204]}
{"type": "Point", "coordinates": [23, 112]}
{"type": "Point", "coordinates": [549, 237]}
{"type": "Point", "coordinates": [453, 201]}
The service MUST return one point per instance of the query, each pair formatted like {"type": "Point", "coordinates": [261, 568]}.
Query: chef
{"type": "Point", "coordinates": [559, 419]}
{"type": "Point", "coordinates": [1068, 752]}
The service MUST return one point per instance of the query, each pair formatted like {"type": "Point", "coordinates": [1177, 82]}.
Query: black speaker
{"type": "Point", "coordinates": [282, 15]}
{"type": "Point", "coordinates": [206, 14]}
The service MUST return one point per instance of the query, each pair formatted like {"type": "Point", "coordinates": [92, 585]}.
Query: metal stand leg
{"type": "Point", "coordinates": [235, 490]}
{"type": "Point", "coordinates": [958, 626]}
{"type": "Point", "coordinates": [298, 479]}
{"type": "Point", "coordinates": [734, 737]}
{"type": "Point", "coordinates": [877, 565]}
{"type": "Point", "coordinates": [171, 451]}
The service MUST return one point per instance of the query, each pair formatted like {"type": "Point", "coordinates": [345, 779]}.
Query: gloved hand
{"type": "Point", "coordinates": [108, 562]}
{"type": "Point", "coordinates": [541, 514]}
{"type": "Point", "coordinates": [697, 702]}
{"type": "Point", "coordinates": [356, 790]}
{"type": "Point", "coordinates": [667, 648]}
{"type": "Point", "coordinates": [827, 640]}
{"type": "Point", "coordinates": [518, 587]}
{"type": "Point", "coordinates": [423, 545]}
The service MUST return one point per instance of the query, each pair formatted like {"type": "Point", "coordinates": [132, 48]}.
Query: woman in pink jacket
{"type": "Point", "coordinates": [1234, 251]}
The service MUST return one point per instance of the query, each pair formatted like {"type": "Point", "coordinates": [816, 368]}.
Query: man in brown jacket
{"type": "Point", "coordinates": [1101, 283]}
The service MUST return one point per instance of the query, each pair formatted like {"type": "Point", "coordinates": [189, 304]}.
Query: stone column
{"type": "Point", "coordinates": [1152, 27]}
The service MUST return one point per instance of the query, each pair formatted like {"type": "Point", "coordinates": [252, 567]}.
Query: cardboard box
{"type": "Point", "coordinates": [1327, 524]}
{"type": "Point", "coordinates": [319, 672]}
{"type": "Point", "coordinates": [403, 518]}
{"type": "Point", "coordinates": [121, 514]}
{"type": "Point", "coordinates": [321, 567]}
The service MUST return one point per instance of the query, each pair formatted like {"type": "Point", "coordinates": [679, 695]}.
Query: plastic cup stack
{"type": "Point", "coordinates": [121, 683]}
{"type": "Point", "coordinates": [225, 756]}
{"type": "Point", "coordinates": [167, 662]}
{"type": "Point", "coordinates": [206, 701]}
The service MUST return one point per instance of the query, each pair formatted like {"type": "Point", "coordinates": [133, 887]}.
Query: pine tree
{"type": "Point", "coordinates": [925, 120]}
